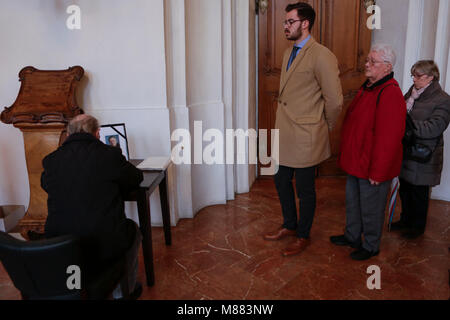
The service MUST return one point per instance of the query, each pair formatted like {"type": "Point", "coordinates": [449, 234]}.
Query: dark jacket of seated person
{"type": "Point", "coordinates": [85, 181]}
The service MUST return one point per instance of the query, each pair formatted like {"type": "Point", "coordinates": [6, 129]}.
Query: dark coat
{"type": "Point", "coordinates": [371, 136]}
{"type": "Point", "coordinates": [85, 180]}
{"type": "Point", "coordinates": [431, 116]}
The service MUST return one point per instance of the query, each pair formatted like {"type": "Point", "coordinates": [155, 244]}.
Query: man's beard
{"type": "Point", "coordinates": [294, 36]}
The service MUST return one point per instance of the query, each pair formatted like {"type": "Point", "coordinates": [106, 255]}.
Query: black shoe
{"type": "Point", "coordinates": [363, 254]}
{"type": "Point", "coordinates": [133, 295]}
{"type": "Point", "coordinates": [343, 241]}
{"type": "Point", "coordinates": [398, 226]}
{"type": "Point", "coordinates": [137, 291]}
{"type": "Point", "coordinates": [412, 234]}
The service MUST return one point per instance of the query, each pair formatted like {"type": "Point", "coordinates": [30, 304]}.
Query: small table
{"type": "Point", "coordinates": [152, 180]}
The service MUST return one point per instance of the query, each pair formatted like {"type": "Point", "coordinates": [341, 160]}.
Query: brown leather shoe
{"type": "Point", "coordinates": [296, 247]}
{"type": "Point", "coordinates": [279, 234]}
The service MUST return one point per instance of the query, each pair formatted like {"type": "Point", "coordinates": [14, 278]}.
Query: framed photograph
{"type": "Point", "coordinates": [115, 135]}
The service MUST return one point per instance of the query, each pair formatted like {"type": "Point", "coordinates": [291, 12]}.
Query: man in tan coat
{"type": "Point", "coordinates": [309, 104]}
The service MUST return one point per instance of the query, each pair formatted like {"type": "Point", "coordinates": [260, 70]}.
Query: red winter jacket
{"type": "Point", "coordinates": [371, 141]}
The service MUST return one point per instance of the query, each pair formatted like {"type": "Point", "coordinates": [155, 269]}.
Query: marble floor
{"type": "Point", "coordinates": [221, 255]}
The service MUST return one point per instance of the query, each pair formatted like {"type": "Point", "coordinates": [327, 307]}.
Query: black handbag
{"type": "Point", "coordinates": [413, 150]}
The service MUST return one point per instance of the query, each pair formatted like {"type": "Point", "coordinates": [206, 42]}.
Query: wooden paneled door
{"type": "Point", "coordinates": [340, 26]}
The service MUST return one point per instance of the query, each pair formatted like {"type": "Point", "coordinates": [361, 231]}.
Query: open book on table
{"type": "Point", "coordinates": [155, 163]}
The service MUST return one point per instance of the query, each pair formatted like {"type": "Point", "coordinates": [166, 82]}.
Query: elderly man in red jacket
{"type": "Point", "coordinates": [371, 152]}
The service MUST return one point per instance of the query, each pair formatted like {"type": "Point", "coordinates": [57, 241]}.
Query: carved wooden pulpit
{"type": "Point", "coordinates": [44, 105]}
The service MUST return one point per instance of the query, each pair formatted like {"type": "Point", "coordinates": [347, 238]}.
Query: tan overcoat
{"type": "Point", "coordinates": [309, 104]}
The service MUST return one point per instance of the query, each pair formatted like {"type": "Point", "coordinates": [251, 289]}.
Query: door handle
{"type": "Point", "coordinates": [369, 3]}
{"type": "Point", "coordinates": [261, 6]}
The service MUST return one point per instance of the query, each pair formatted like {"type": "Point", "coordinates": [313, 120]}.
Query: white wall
{"type": "Point", "coordinates": [120, 46]}
{"type": "Point", "coordinates": [175, 34]}
{"type": "Point", "coordinates": [417, 30]}
{"type": "Point", "coordinates": [204, 93]}
{"type": "Point", "coordinates": [430, 14]}
{"type": "Point", "coordinates": [215, 69]}
{"type": "Point", "coordinates": [156, 65]}
{"type": "Point", "coordinates": [442, 58]}
{"type": "Point", "coordinates": [393, 31]}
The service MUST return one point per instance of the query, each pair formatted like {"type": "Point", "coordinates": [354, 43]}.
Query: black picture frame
{"type": "Point", "coordinates": [115, 135]}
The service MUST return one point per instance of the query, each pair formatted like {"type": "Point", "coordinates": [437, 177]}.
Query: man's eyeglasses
{"type": "Point", "coordinates": [290, 22]}
{"type": "Point", "coordinates": [373, 62]}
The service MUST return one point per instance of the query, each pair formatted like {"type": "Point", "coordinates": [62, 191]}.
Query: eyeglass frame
{"type": "Point", "coordinates": [290, 22]}
{"type": "Point", "coordinates": [375, 62]}
{"type": "Point", "coordinates": [418, 76]}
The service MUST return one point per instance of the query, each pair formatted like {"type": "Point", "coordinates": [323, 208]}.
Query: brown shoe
{"type": "Point", "coordinates": [279, 234]}
{"type": "Point", "coordinates": [296, 247]}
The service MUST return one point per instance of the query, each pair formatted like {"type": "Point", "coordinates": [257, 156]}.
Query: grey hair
{"type": "Point", "coordinates": [83, 124]}
{"type": "Point", "coordinates": [387, 53]}
{"type": "Point", "coordinates": [428, 67]}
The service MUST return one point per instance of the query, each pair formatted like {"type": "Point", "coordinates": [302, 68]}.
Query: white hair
{"type": "Point", "coordinates": [387, 53]}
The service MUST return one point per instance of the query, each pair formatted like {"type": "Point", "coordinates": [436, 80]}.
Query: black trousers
{"type": "Point", "coordinates": [415, 200]}
{"type": "Point", "coordinates": [306, 192]}
{"type": "Point", "coordinates": [132, 263]}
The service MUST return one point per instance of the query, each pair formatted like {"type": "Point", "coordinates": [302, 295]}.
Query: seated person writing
{"type": "Point", "coordinates": [85, 181]}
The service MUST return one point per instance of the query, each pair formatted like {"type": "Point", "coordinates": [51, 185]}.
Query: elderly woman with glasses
{"type": "Point", "coordinates": [429, 108]}
{"type": "Point", "coordinates": [371, 153]}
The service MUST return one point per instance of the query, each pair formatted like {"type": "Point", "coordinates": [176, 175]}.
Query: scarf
{"type": "Point", "coordinates": [415, 94]}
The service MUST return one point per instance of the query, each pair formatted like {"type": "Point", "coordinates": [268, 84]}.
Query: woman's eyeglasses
{"type": "Point", "coordinates": [417, 76]}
